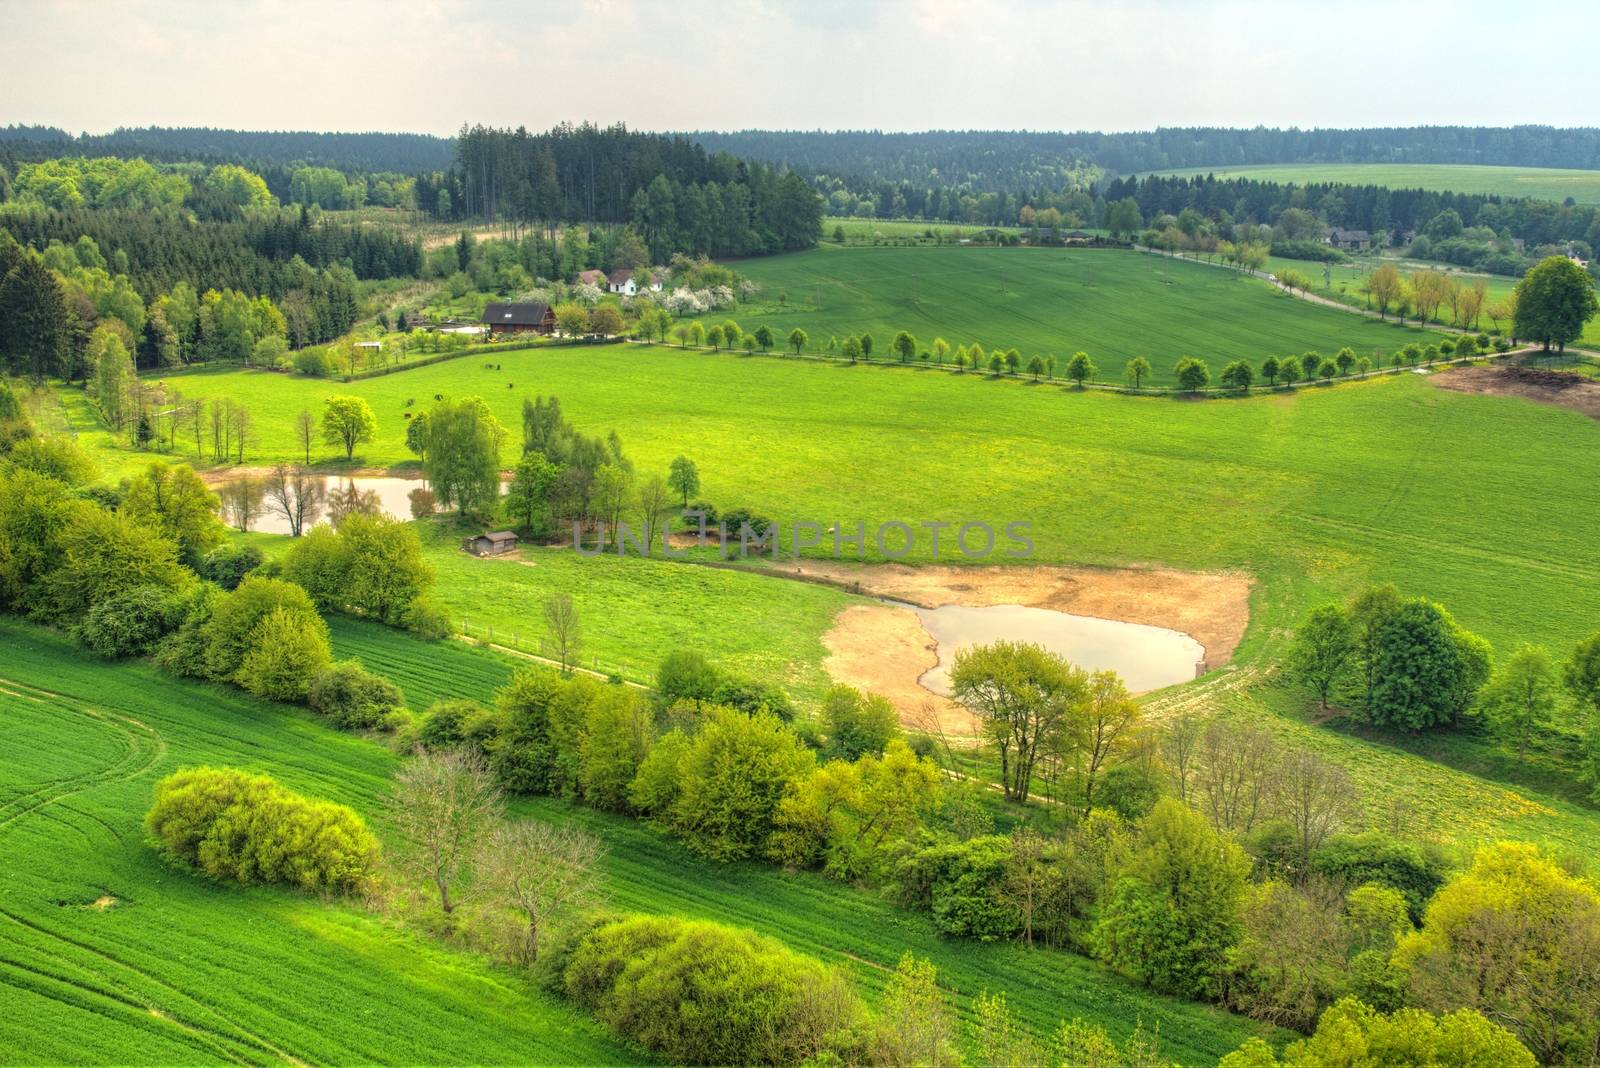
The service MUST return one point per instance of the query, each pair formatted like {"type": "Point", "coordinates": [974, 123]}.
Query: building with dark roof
{"type": "Point", "coordinates": [530, 318]}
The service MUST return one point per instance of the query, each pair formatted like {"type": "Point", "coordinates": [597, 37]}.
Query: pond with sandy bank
{"type": "Point", "coordinates": [1154, 626]}
{"type": "Point", "coordinates": [1146, 657]}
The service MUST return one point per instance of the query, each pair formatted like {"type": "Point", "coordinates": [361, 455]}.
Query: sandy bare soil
{"type": "Point", "coordinates": [1579, 394]}
{"type": "Point", "coordinates": [885, 649]}
{"type": "Point", "coordinates": [1211, 607]}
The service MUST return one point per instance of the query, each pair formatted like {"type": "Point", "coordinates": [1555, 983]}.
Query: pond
{"type": "Point", "coordinates": [392, 494]}
{"type": "Point", "coordinates": [1146, 657]}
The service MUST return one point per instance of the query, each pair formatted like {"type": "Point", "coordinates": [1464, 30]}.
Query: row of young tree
{"type": "Point", "coordinates": [1190, 373]}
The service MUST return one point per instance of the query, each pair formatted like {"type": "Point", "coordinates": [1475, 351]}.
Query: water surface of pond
{"type": "Point", "coordinates": [392, 494]}
{"type": "Point", "coordinates": [1146, 657]}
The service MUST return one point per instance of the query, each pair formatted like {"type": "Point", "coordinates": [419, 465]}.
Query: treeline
{"type": "Point", "coordinates": [680, 198]}
{"type": "Point", "coordinates": [73, 313]}
{"type": "Point", "coordinates": [252, 254]}
{"type": "Point", "coordinates": [1376, 209]}
{"type": "Point", "coordinates": [1016, 161]}
{"type": "Point", "coordinates": [351, 152]}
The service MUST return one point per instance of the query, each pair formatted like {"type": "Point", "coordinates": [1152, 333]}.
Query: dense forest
{"type": "Point", "coordinates": [677, 196]}
{"type": "Point", "coordinates": [1016, 161]}
{"type": "Point", "coordinates": [253, 255]}
{"type": "Point", "coordinates": [404, 153]}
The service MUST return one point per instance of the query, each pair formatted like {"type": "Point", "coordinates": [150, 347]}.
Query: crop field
{"type": "Point", "coordinates": [1112, 304]}
{"type": "Point", "coordinates": [1544, 183]}
{"type": "Point", "coordinates": [866, 231]}
{"type": "Point", "coordinates": [107, 954]}
{"type": "Point", "coordinates": [217, 973]}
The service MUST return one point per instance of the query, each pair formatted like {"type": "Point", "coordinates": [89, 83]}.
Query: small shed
{"type": "Point", "coordinates": [494, 544]}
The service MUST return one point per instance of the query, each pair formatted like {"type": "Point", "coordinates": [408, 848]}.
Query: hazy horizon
{"type": "Point", "coordinates": [899, 66]}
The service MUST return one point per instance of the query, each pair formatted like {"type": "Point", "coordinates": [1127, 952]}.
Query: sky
{"type": "Point", "coordinates": [430, 65]}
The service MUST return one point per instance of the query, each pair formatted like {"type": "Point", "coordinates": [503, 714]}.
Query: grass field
{"type": "Point", "coordinates": [870, 231]}
{"type": "Point", "coordinates": [1545, 183]}
{"type": "Point", "coordinates": [1315, 492]}
{"type": "Point", "coordinates": [107, 955]}
{"type": "Point", "coordinates": [632, 611]}
{"type": "Point", "coordinates": [1112, 304]}
{"type": "Point", "coordinates": [182, 970]}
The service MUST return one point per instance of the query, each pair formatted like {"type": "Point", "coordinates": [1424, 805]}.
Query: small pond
{"type": "Point", "coordinates": [392, 494]}
{"type": "Point", "coordinates": [1146, 657]}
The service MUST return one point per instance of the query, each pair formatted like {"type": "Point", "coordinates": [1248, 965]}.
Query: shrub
{"type": "Point", "coordinates": [961, 885]}
{"type": "Point", "coordinates": [737, 769]}
{"type": "Point", "coordinates": [1130, 790]}
{"type": "Point", "coordinates": [131, 623]}
{"type": "Point", "coordinates": [285, 654]}
{"type": "Point", "coordinates": [1174, 908]}
{"type": "Point", "coordinates": [1351, 1033]}
{"type": "Point", "coordinates": [1351, 860]}
{"type": "Point", "coordinates": [228, 565]}
{"type": "Point", "coordinates": [228, 632]}
{"type": "Point", "coordinates": [229, 824]}
{"type": "Point", "coordinates": [372, 565]}
{"type": "Point", "coordinates": [752, 698]}
{"type": "Point", "coordinates": [704, 993]}
{"type": "Point", "coordinates": [314, 362]}
{"type": "Point", "coordinates": [443, 724]}
{"type": "Point", "coordinates": [427, 618]}
{"type": "Point", "coordinates": [353, 697]}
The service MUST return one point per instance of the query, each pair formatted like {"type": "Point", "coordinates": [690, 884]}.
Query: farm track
{"type": "Point", "coordinates": [203, 1025]}
{"type": "Point", "coordinates": [143, 747]}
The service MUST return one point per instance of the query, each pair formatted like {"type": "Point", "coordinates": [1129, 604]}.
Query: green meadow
{"type": "Point", "coordinates": [107, 954]}
{"type": "Point", "coordinates": [1544, 183]}
{"type": "Point", "coordinates": [1113, 304]}
{"type": "Point", "coordinates": [1472, 500]}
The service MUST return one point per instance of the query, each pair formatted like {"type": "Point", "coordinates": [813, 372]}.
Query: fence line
{"type": "Point", "coordinates": [537, 647]}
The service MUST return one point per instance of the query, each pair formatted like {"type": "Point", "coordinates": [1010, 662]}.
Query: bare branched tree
{"type": "Point", "coordinates": [1179, 744]}
{"type": "Point", "coordinates": [296, 495]}
{"type": "Point", "coordinates": [1235, 774]}
{"type": "Point", "coordinates": [442, 807]}
{"type": "Point", "coordinates": [655, 500]}
{"type": "Point", "coordinates": [243, 500]}
{"type": "Point", "coordinates": [541, 871]}
{"type": "Point", "coordinates": [305, 430]}
{"type": "Point", "coordinates": [1313, 794]}
{"type": "Point", "coordinates": [561, 619]}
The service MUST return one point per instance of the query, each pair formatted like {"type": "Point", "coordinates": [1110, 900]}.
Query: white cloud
{"type": "Point", "coordinates": [898, 64]}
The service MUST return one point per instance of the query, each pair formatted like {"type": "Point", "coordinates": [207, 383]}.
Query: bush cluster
{"type": "Point", "coordinates": [704, 993]}
{"type": "Point", "coordinates": [246, 828]}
